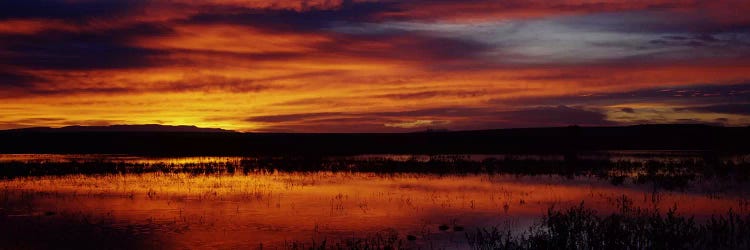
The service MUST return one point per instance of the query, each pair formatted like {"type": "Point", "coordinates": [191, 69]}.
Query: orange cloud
{"type": "Point", "coordinates": [31, 26]}
{"type": "Point", "coordinates": [232, 39]}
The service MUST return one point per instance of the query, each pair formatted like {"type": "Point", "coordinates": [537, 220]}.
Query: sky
{"type": "Point", "coordinates": [373, 65]}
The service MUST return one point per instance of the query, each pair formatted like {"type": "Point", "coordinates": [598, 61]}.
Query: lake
{"type": "Point", "coordinates": [221, 203]}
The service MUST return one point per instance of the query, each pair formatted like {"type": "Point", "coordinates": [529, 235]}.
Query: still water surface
{"type": "Point", "coordinates": [273, 209]}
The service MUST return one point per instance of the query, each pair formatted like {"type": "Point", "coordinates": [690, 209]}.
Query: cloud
{"type": "Point", "coordinates": [438, 112]}
{"type": "Point", "coordinates": [686, 94]}
{"type": "Point", "coordinates": [79, 11]}
{"type": "Point", "coordinates": [442, 53]}
{"type": "Point", "coordinates": [52, 122]}
{"type": "Point", "coordinates": [9, 79]}
{"type": "Point", "coordinates": [443, 118]}
{"type": "Point", "coordinates": [554, 116]}
{"type": "Point", "coordinates": [722, 120]}
{"type": "Point", "coordinates": [67, 50]}
{"type": "Point", "coordinates": [736, 109]}
{"type": "Point", "coordinates": [29, 86]}
{"type": "Point", "coordinates": [291, 117]}
{"type": "Point", "coordinates": [230, 39]}
{"type": "Point", "coordinates": [418, 124]}
{"type": "Point", "coordinates": [605, 38]}
{"type": "Point", "coordinates": [211, 83]}
{"type": "Point", "coordinates": [726, 12]}
{"type": "Point", "coordinates": [431, 94]}
{"type": "Point", "coordinates": [293, 19]}
{"type": "Point", "coordinates": [374, 65]}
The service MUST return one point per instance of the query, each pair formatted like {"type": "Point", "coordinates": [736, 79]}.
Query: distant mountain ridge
{"type": "Point", "coordinates": [126, 128]}
{"type": "Point", "coordinates": [189, 140]}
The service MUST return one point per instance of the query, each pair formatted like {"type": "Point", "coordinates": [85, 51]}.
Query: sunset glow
{"type": "Point", "coordinates": [373, 65]}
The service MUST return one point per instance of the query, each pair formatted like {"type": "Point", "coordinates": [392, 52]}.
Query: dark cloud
{"type": "Point", "coordinates": [40, 91]}
{"type": "Point", "coordinates": [207, 83]}
{"type": "Point", "coordinates": [628, 110]}
{"type": "Point", "coordinates": [94, 49]}
{"type": "Point", "coordinates": [736, 109]}
{"type": "Point", "coordinates": [579, 76]}
{"type": "Point", "coordinates": [706, 38]}
{"type": "Point", "coordinates": [698, 40]}
{"type": "Point", "coordinates": [38, 120]}
{"type": "Point", "coordinates": [431, 94]}
{"type": "Point", "coordinates": [355, 125]}
{"type": "Point", "coordinates": [81, 56]}
{"type": "Point", "coordinates": [285, 20]}
{"type": "Point", "coordinates": [400, 45]}
{"type": "Point", "coordinates": [68, 10]}
{"type": "Point", "coordinates": [674, 37]}
{"type": "Point", "coordinates": [53, 121]}
{"type": "Point", "coordinates": [211, 83]}
{"type": "Point", "coordinates": [692, 22]}
{"type": "Point", "coordinates": [111, 48]}
{"type": "Point", "coordinates": [448, 117]}
{"type": "Point", "coordinates": [554, 116]}
{"type": "Point", "coordinates": [694, 94]}
{"type": "Point", "coordinates": [438, 112]}
{"type": "Point", "coordinates": [292, 117]}
{"type": "Point", "coordinates": [699, 121]}
{"type": "Point", "coordinates": [443, 53]}
{"type": "Point", "coordinates": [310, 101]}
{"type": "Point", "coordinates": [10, 79]}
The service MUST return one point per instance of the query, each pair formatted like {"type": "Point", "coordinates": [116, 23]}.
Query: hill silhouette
{"type": "Point", "coordinates": [123, 128]}
{"type": "Point", "coordinates": [189, 140]}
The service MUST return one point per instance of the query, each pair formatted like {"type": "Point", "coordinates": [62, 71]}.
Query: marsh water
{"type": "Point", "coordinates": [278, 208]}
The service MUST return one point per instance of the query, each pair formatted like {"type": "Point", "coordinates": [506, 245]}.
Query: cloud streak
{"type": "Point", "coordinates": [455, 118]}
{"type": "Point", "coordinates": [373, 65]}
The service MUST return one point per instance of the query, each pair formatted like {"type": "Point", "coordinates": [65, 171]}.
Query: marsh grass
{"type": "Point", "coordinates": [670, 174]}
{"type": "Point", "coordinates": [579, 227]}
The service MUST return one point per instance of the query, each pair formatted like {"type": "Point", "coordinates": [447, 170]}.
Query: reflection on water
{"type": "Point", "coordinates": [622, 155]}
{"type": "Point", "coordinates": [271, 208]}
{"type": "Point", "coordinates": [116, 158]}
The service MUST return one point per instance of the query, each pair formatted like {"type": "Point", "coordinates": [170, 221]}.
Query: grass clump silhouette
{"type": "Point", "coordinates": [579, 227]}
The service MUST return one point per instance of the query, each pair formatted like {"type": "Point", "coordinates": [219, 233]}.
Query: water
{"type": "Point", "coordinates": [275, 209]}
